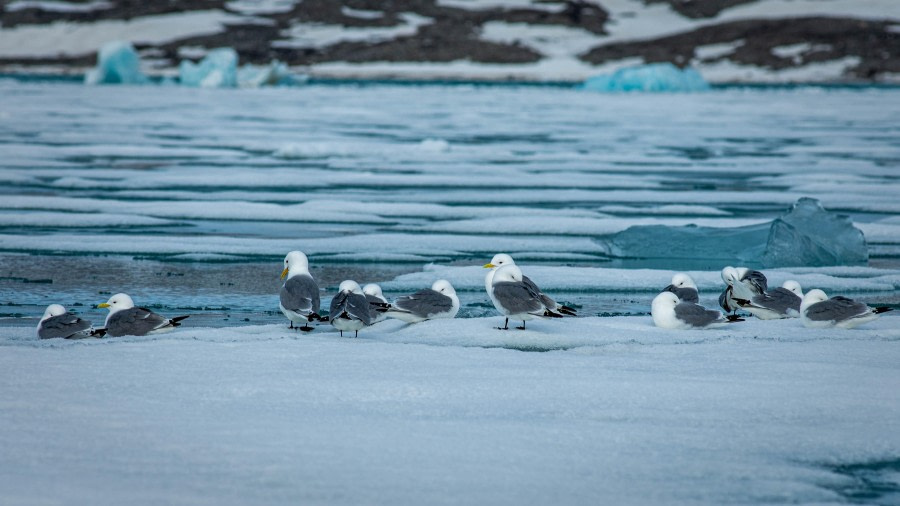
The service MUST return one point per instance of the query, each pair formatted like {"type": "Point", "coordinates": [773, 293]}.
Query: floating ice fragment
{"type": "Point", "coordinates": [656, 77]}
{"type": "Point", "coordinates": [218, 69]}
{"type": "Point", "coordinates": [807, 235]}
{"type": "Point", "coordinates": [435, 145]}
{"type": "Point", "coordinates": [117, 63]}
{"type": "Point", "coordinates": [273, 74]}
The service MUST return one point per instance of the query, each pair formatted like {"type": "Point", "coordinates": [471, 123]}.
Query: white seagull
{"type": "Point", "coordinates": [670, 312]}
{"type": "Point", "coordinates": [439, 301]}
{"type": "Point", "coordinates": [818, 311]}
{"type": "Point", "coordinates": [516, 299]}
{"type": "Point", "coordinates": [124, 319]}
{"type": "Point", "coordinates": [299, 297]}
{"type": "Point", "coordinates": [350, 309]}
{"type": "Point", "coordinates": [57, 322]}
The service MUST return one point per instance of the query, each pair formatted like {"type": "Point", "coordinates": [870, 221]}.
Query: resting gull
{"type": "Point", "coordinates": [502, 259]}
{"type": "Point", "coordinates": [57, 322]}
{"type": "Point", "coordinates": [516, 299]}
{"type": "Point", "coordinates": [350, 309]}
{"type": "Point", "coordinates": [439, 301]}
{"type": "Point", "coordinates": [377, 303]}
{"type": "Point", "coordinates": [670, 312]}
{"type": "Point", "coordinates": [684, 287]}
{"type": "Point", "coordinates": [125, 319]}
{"type": "Point", "coordinates": [299, 297]}
{"type": "Point", "coordinates": [818, 311]}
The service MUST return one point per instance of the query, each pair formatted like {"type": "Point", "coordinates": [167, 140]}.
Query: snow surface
{"type": "Point", "coordinates": [450, 412]}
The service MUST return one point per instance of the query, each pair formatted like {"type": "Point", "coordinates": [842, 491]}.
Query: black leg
{"type": "Point", "coordinates": [523, 326]}
{"type": "Point", "coordinates": [342, 333]}
{"type": "Point", "coordinates": [505, 325]}
{"type": "Point", "coordinates": [355, 333]}
{"type": "Point", "coordinates": [292, 324]}
{"type": "Point", "coordinates": [306, 328]}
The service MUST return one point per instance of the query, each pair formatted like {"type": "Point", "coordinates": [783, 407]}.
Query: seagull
{"type": "Point", "coordinates": [517, 299]}
{"type": "Point", "coordinates": [818, 311]}
{"type": "Point", "coordinates": [684, 287]}
{"type": "Point", "coordinates": [57, 322]}
{"type": "Point", "coordinates": [749, 283]}
{"type": "Point", "coordinates": [439, 301]}
{"type": "Point", "coordinates": [349, 308]}
{"type": "Point", "coordinates": [502, 259]}
{"type": "Point", "coordinates": [299, 297]}
{"type": "Point", "coordinates": [126, 320]}
{"type": "Point", "coordinates": [377, 302]}
{"type": "Point", "coordinates": [782, 302]}
{"type": "Point", "coordinates": [670, 312]}
{"type": "Point", "coordinates": [726, 298]}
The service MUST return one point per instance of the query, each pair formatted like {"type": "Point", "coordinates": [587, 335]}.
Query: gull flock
{"type": "Point", "coordinates": [514, 295]}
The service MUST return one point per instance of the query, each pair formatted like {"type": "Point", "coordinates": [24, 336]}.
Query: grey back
{"type": "Point", "coordinates": [780, 300]}
{"type": "Point", "coordinates": [836, 308]}
{"type": "Point", "coordinates": [685, 294]}
{"type": "Point", "coordinates": [300, 294]}
{"type": "Point", "coordinates": [350, 305]}
{"type": "Point", "coordinates": [756, 281]}
{"type": "Point", "coordinates": [545, 299]}
{"type": "Point", "coordinates": [136, 321]}
{"type": "Point", "coordinates": [425, 303]}
{"type": "Point", "coordinates": [725, 300]}
{"type": "Point", "coordinates": [66, 326]}
{"type": "Point", "coordinates": [696, 315]}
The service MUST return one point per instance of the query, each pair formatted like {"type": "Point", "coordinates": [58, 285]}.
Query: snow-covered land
{"type": "Point", "coordinates": [537, 40]}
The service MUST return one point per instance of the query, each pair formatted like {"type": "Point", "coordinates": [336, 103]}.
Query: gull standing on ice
{"type": "Point", "coordinates": [439, 301]}
{"type": "Point", "coordinates": [377, 303]}
{"type": "Point", "coordinates": [669, 312]}
{"type": "Point", "coordinates": [502, 259]}
{"type": "Point", "coordinates": [126, 320]}
{"type": "Point", "coordinates": [350, 309]}
{"type": "Point", "coordinates": [818, 311]}
{"type": "Point", "coordinates": [782, 302]}
{"type": "Point", "coordinates": [299, 297]}
{"type": "Point", "coordinates": [516, 299]}
{"type": "Point", "coordinates": [57, 322]}
{"type": "Point", "coordinates": [684, 287]}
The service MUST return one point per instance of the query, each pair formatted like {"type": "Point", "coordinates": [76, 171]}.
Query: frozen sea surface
{"type": "Point", "coordinates": [189, 199]}
{"type": "Point", "coordinates": [208, 189]}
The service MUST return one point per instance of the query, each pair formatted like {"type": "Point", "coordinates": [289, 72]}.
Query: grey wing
{"type": "Point", "coordinates": [780, 299]}
{"type": "Point", "coordinates": [338, 305]}
{"type": "Point", "coordinates": [517, 298]}
{"type": "Point", "coordinates": [545, 299]}
{"type": "Point", "coordinates": [300, 294]}
{"type": "Point", "coordinates": [696, 315]}
{"type": "Point", "coordinates": [65, 326]}
{"type": "Point", "coordinates": [425, 303]}
{"type": "Point", "coordinates": [358, 307]}
{"type": "Point", "coordinates": [836, 308]}
{"type": "Point", "coordinates": [725, 300]}
{"type": "Point", "coordinates": [137, 321]}
{"type": "Point", "coordinates": [756, 281]}
{"type": "Point", "coordinates": [686, 294]}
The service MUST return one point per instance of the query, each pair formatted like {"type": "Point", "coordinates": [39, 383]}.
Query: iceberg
{"type": "Point", "coordinates": [806, 236]}
{"type": "Point", "coordinates": [656, 77]}
{"type": "Point", "coordinates": [117, 63]}
{"type": "Point", "coordinates": [218, 69]}
{"type": "Point", "coordinates": [273, 74]}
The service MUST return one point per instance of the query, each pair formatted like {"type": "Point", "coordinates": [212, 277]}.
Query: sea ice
{"type": "Point", "coordinates": [807, 235]}
{"type": "Point", "coordinates": [274, 74]}
{"type": "Point", "coordinates": [117, 63]}
{"type": "Point", "coordinates": [656, 77]}
{"type": "Point", "coordinates": [218, 69]}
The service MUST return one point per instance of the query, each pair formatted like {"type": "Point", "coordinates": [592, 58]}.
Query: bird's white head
{"type": "Point", "coordinates": [53, 310]}
{"type": "Point", "coordinates": [373, 290]}
{"type": "Point", "coordinates": [793, 286]}
{"type": "Point", "coordinates": [730, 275]}
{"type": "Point", "coordinates": [508, 273]}
{"type": "Point", "coordinates": [682, 280]}
{"type": "Point", "coordinates": [443, 286]}
{"type": "Point", "coordinates": [118, 302]}
{"type": "Point", "coordinates": [665, 300]}
{"type": "Point", "coordinates": [350, 286]}
{"type": "Point", "coordinates": [812, 297]}
{"type": "Point", "coordinates": [499, 260]}
{"type": "Point", "coordinates": [295, 262]}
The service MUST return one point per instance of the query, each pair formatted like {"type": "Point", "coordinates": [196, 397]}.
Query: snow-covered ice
{"type": "Point", "coordinates": [656, 77]}
{"type": "Point", "coordinates": [449, 412]}
{"type": "Point", "coordinates": [117, 63]}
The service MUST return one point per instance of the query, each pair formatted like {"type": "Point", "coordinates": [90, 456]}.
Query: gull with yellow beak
{"type": "Point", "coordinates": [300, 293]}
{"type": "Point", "coordinates": [502, 259]}
{"type": "Point", "coordinates": [126, 320]}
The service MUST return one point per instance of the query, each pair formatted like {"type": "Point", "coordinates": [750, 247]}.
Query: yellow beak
{"type": "Point", "coordinates": [103, 304]}
{"type": "Point", "coordinates": [284, 273]}
{"type": "Point", "coordinates": [489, 266]}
